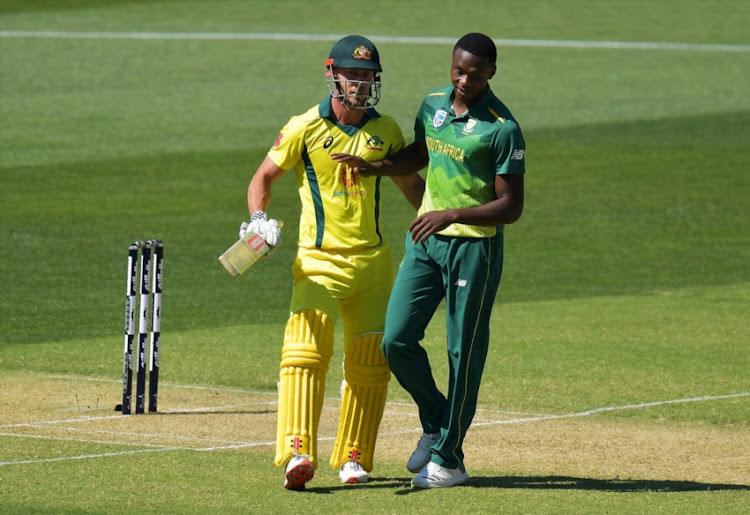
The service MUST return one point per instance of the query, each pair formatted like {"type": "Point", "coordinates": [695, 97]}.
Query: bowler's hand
{"type": "Point", "coordinates": [356, 163]}
{"type": "Point", "coordinates": [430, 223]}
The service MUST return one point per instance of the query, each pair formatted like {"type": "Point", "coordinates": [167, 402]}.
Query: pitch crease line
{"type": "Point", "coordinates": [83, 456]}
{"type": "Point", "coordinates": [165, 383]}
{"type": "Point", "coordinates": [396, 433]}
{"type": "Point", "coordinates": [155, 436]}
{"type": "Point", "coordinates": [594, 411]}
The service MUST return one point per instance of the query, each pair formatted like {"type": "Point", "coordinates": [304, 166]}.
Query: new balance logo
{"type": "Point", "coordinates": [517, 155]}
{"type": "Point", "coordinates": [461, 283]}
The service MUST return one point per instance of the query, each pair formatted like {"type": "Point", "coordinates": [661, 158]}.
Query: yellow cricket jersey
{"type": "Point", "coordinates": [340, 210]}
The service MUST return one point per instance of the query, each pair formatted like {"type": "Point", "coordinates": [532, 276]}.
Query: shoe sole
{"type": "Point", "coordinates": [354, 479]}
{"type": "Point", "coordinates": [441, 484]}
{"type": "Point", "coordinates": [297, 476]}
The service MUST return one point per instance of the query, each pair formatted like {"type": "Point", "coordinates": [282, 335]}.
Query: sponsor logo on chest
{"type": "Point", "coordinates": [439, 118]}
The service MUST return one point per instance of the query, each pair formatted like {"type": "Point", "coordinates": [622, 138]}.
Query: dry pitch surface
{"type": "Point", "coordinates": [583, 445]}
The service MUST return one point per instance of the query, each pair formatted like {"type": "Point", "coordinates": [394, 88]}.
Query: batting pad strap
{"type": "Point", "coordinates": [305, 354]}
{"type": "Point", "coordinates": [363, 398]}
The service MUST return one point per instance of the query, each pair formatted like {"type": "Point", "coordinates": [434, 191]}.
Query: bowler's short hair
{"type": "Point", "coordinates": [479, 45]}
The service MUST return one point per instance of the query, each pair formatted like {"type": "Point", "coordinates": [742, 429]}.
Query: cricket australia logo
{"type": "Point", "coordinates": [469, 126]}
{"type": "Point", "coordinates": [440, 116]}
{"type": "Point", "coordinates": [362, 52]}
{"type": "Point", "coordinates": [375, 143]}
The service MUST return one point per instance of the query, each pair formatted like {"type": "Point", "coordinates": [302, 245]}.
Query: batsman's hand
{"type": "Point", "coordinates": [269, 230]}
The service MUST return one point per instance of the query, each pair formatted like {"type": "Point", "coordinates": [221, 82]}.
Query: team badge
{"type": "Point", "coordinates": [375, 143]}
{"type": "Point", "coordinates": [362, 52]}
{"type": "Point", "coordinates": [469, 126]}
{"type": "Point", "coordinates": [440, 116]}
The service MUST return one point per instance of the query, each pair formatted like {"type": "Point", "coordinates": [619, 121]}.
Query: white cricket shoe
{"type": "Point", "coordinates": [436, 476]}
{"type": "Point", "coordinates": [353, 472]}
{"type": "Point", "coordinates": [299, 471]}
{"type": "Point", "coordinates": [421, 455]}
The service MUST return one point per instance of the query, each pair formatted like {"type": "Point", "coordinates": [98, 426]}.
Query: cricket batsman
{"type": "Point", "coordinates": [343, 267]}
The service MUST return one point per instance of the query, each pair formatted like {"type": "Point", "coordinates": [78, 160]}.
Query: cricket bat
{"type": "Point", "coordinates": [244, 253]}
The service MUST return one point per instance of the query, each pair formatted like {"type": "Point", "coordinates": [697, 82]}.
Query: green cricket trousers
{"type": "Point", "coordinates": [466, 273]}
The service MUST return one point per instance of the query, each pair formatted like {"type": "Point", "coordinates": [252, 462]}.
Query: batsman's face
{"type": "Point", "coordinates": [354, 84]}
{"type": "Point", "coordinates": [469, 75]}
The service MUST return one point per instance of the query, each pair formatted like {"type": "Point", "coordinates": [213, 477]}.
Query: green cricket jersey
{"type": "Point", "coordinates": [466, 153]}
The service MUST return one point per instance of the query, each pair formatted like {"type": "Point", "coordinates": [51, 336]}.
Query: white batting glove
{"type": "Point", "coordinates": [269, 230]}
{"type": "Point", "coordinates": [243, 229]}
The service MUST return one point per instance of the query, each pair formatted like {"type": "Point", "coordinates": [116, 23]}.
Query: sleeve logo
{"type": "Point", "coordinates": [517, 155]}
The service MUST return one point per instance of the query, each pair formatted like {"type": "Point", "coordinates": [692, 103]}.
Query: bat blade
{"type": "Point", "coordinates": [243, 254]}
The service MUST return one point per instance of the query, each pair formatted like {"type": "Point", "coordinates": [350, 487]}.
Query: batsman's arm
{"type": "Point", "coordinates": [406, 161]}
{"type": "Point", "coordinates": [259, 190]}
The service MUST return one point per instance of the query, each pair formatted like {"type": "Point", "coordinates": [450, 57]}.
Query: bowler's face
{"type": "Point", "coordinates": [469, 75]}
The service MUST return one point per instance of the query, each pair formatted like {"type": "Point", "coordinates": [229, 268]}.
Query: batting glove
{"type": "Point", "coordinates": [243, 229]}
{"type": "Point", "coordinates": [269, 230]}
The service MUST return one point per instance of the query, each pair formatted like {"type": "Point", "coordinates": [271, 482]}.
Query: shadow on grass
{"type": "Point", "coordinates": [374, 482]}
{"type": "Point", "coordinates": [403, 485]}
{"type": "Point", "coordinates": [602, 485]}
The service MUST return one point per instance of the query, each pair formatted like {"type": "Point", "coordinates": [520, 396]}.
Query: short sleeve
{"type": "Point", "coordinates": [509, 149]}
{"type": "Point", "coordinates": [289, 145]}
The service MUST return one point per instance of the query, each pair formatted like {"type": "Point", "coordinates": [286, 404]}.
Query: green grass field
{"type": "Point", "coordinates": [617, 380]}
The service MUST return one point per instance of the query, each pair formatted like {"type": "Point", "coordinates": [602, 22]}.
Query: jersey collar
{"type": "Point", "coordinates": [481, 104]}
{"type": "Point", "coordinates": [326, 111]}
